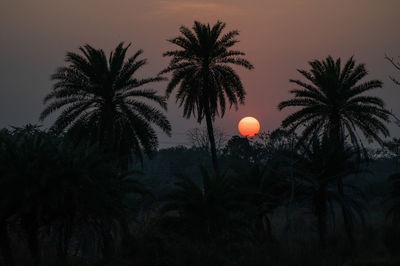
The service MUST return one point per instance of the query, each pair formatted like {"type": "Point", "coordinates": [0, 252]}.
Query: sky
{"type": "Point", "coordinates": [278, 37]}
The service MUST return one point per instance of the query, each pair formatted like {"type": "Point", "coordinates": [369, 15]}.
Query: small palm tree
{"type": "Point", "coordinates": [202, 211]}
{"type": "Point", "coordinates": [332, 101]}
{"type": "Point", "coordinates": [261, 191]}
{"type": "Point", "coordinates": [318, 169]}
{"type": "Point", "coordinates": [101, 101]}
{"type": "Point", "coordinates": [202, 73]}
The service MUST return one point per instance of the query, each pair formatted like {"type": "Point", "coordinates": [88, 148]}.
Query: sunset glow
{"type": "Point", "coordinates": [248, 126]}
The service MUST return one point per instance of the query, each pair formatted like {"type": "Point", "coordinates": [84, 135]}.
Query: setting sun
{"type": "Point", "coordinates": [248, 126]}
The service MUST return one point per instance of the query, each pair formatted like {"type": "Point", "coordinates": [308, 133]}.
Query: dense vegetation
{"type": "Point", "coordinates": [309, 193]}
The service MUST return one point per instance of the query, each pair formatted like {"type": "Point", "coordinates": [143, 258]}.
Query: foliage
{"type": "Point", "coordinates": [273, 145]}
{"type": "Point", "coordinates": [83, 195]}
{"type": "Point", "coordinates": [54, 189]}
{"type": "Point", "coordinates": [101, 101]}
{"type": "Point", "coordinates": [332, 101]}
{"type": "Point", "coordinates": [318, 169]}
{"type": "Point", "coordinates": [261, 190]}
{"type": "Point", "coordinates": [396, 64]}
{"type": "Point", "coordinates": [239, 150]}
{"type": "Point", "coordinates": [74, 199]}
{"type": "Point", "coordinates": [198, 138]}
{"type": "Point", "coordinates": [394, 197]}
{"type": "Point", "coordinates": [202, 73]}
{"type": "Point", "coordinates": [204, 211]}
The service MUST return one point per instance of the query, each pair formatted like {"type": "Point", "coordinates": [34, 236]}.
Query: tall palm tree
{"type": "Point", "coordinates": [202, 73]}
{"type": "Point", "coordinates": [332, 100]}
{"type": "Point", "coordinates": [101, 99]}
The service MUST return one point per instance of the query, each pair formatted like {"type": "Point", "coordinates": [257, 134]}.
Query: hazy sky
{"type": "Point", "coordinates": [278, 36]}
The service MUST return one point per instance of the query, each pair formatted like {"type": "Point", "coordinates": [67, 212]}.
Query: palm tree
{"type": "Point", "coordinates": [202, 72]}
{"type": "Point", "coordinates": [318, 167]}
{"type": "Point", "coordinates": [331, 100]}
{"type": "Point", "coordinates": [261, 191]}
{"type": "Point", "coordinates": [101, 101]}
{"type": "Point", "coordinates": [204, 211]}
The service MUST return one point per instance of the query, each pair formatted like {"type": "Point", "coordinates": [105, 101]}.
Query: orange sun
{"type": "Point", "coordinates": [249, 126]}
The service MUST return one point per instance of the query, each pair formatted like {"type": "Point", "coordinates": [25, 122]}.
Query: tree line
{"type": "Point", "coordinates": [71, 189]}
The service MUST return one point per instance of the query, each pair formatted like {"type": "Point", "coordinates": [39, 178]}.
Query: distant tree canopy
{"type": "Point", "coordinates": [198, 137]}
{"type": "Point", "coordinates": [49, 183]}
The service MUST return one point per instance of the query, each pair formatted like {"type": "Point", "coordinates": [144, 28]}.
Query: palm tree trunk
{"type": "Point", "coordinates": [5, 244]}
{"type": "Point", "coordinates": [64, 238]}
{"type": "Point", "coordinates": [347, 223]}
{"type": "Point", "coordinates": [108, 247]}
{"type": "Point", "coordinates": [31, 231]}
{"type": "Point", "coordinates": [211, 137]}
{"type": "Point", "coordinates": [338, 141]}
{"type": "Point", "coordinates": [322, 217]}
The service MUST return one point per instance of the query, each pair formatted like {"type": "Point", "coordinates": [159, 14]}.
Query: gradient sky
{"type": "Point", "coordinates": [278, 36]}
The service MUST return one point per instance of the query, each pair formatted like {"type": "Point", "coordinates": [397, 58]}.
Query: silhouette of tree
{"type": "Point", "coordinates": [396, 65]}
{"type": "Point", "coordinates": [204, 211]}
{"type": "Point", "coordinates": [100, 101]}
{"type": "Point", "coordinates": [240, 147]}
{"type": "Point", "coordinates": [24, 156]}
{"type": "Point", "coordinates": [198, 138]}
{"type": "Point", "coordinates": [261, 190]}
{"type": "Point", "coordinates": [47, 182]}
{"type": "Point", "coordinates": [391, 150]}
{"type": "Point", "coordinates": [333, 102]}
{"type": "Point", "coordinates": [270, 145]}
{"type": "Point", "coordinates": [6, 210]}
{"type": "Point", "coordinates": [203, 76]}
{"type": "Point", "coordinates": [239, 152]}
{"type": "Point", "coordinates": [394, 198]}
{"type": "Point", "coordinates": [318, 168]}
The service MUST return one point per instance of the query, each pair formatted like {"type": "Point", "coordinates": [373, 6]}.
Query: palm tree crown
{"type": "Point", "coordinates": [332, 101]}
{"type": "Point", "coordinates": [202, 72]}
{"type": "Point", "coordinates": [100, 98]}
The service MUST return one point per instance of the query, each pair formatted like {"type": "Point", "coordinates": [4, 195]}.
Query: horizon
{"type": "Point", "coordinates": [38, 34]}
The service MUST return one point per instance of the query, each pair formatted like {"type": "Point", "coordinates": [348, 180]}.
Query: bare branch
{"type": "Point", "coordinates": [393, 62]}
{"type": "Point", "coordinates": [198, 137]}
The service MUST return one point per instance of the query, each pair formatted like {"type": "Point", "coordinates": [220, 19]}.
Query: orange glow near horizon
{"type": "Point", "coordinates": [248, 126]}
